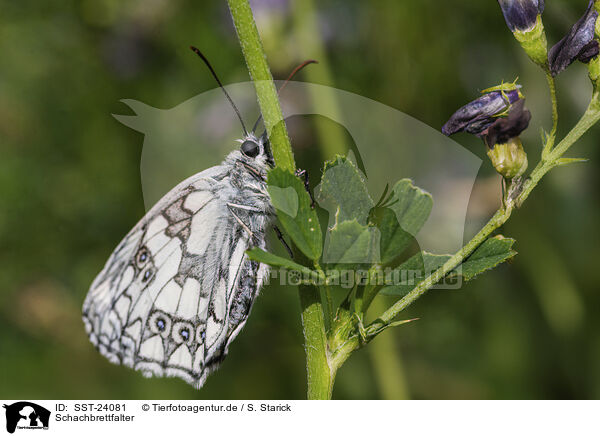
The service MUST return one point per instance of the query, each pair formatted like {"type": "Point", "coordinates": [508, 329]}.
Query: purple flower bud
{"type": "Point", "coordinates": [579, 44]}
{"type": "Point", "coordinates": [477, 116]}
{"type": "Point", "coordinates": [505, 129]}
{"type": "Point", "coordinates": [521, 15]}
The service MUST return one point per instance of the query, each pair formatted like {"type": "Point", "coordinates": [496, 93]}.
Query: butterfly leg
{"type": "Point", "coordinates": [304, 175]}
{"type": "Point", "coordinates": [243, 207]}
{"type": "Point", "coordinates": [285, 244]}
{"type": "Point", "coordinates": [230, 206]}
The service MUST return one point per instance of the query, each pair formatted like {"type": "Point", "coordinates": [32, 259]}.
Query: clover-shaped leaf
{"type": "Point", "coordinates": [400, 218]}
{"type": "Point", "coordinates": [293, 206]}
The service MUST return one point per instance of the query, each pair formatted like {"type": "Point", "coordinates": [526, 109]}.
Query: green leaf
{"type": "Point", "coordinates": [400, 221]}
{"type": "Point", "coordinates": [384, 327]}
{"type": "Point", "coordinates": [394, 240]}
{"type": "Point", "coordinates": [567, 161]}
{"type": "Point", "coordinates": [265, 257]}
{"type": "Point", "coordinates": [343, 192]}
{"type": "Point", "coordinates": [285, 199]}
{"type": "Point", "coordinates": [410, 273]}
{"type": "Point", "coordinates": [413, 207]}
{"type": "Point", "coordinates": [292, 203]}
{"type": "Point", "coordinates": [351, 243]}
{"type": "Point", "coordinates": [489, 254]}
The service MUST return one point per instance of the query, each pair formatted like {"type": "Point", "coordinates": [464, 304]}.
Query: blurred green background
{"type": "Point", "coordinates": [70, 190]}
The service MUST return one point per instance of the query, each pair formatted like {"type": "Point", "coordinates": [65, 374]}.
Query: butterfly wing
{"type": "Point", "coordinates": [179, 287]}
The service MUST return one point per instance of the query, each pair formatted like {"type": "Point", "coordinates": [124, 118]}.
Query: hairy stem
{"type": "Point", "coordinates": [550, 141]}
{"type": "Point", "coordinates": [260, 73]}
{"type": "Point", "coordinates": [320, 378]}
{"type": "Point", "coordinates": [319, 375]}
{"type": "Point", "coordinates": [330, 311]}
{"type": "Point", "coordinates": [589, 118]}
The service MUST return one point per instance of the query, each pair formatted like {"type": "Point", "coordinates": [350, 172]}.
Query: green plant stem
{"type": "Point", "coordinates": [497, 220]}
{"type": "Point", "coordinates": [589, 118]}
{"type": "Point", "coordinates": [261, 76]}
{"type": "Point", "coordinates": [319, 374]}
{"type": "Point", "coordinates": [320, 377]}
{"type": "Point", "coordinates": [550, 141]}
{"type": "Point", "coordinates": [327, 291]}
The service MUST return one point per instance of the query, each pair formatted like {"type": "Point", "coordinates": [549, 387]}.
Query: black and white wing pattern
{"type": "Point", "coordinates": [179, 287]}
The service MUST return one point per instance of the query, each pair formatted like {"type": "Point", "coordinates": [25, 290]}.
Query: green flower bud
{"type": "Point", "coordinates": [509, 159]}
{"type": "Point", "coordinates": [594, 70]}
{"type": "Point", "coordinates": [524, 19]}
{"type": "Point", "coordinates": [534, 43]}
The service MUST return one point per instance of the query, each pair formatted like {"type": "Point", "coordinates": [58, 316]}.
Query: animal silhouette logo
{"type": "Point", "coordinates": [26, 415]}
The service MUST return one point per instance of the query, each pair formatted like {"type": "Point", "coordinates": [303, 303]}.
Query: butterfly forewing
{"type": "Point", "coordinates": [179, 287]}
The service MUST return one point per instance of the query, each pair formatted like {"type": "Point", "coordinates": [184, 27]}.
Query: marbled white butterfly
{"type": "Point", "coordinates": [179, 287]}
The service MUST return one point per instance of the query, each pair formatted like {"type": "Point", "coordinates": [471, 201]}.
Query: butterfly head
{"type": "Point", "coordinates": [256, 149]}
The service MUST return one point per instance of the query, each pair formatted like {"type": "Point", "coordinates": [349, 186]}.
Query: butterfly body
{"type": "Point", "coordinates": [179, 287]}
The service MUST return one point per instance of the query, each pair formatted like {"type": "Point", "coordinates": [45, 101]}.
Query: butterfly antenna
{"type": "Point", "coordinates": [199, 53]}
{"type": "Point", "coordinates": [290, 77]}
{"type": "Point", "coordinates": [296, 70]}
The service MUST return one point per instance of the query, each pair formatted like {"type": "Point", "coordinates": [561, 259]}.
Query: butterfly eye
{"type": "Point", "coordinates": [142, 257]}
{"type": "Point", "coordinates": [250, 148]}
{"type": "Point", "coordinates": [160, 324]}
{"type": "Point", "coordinates": [183, 333]}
